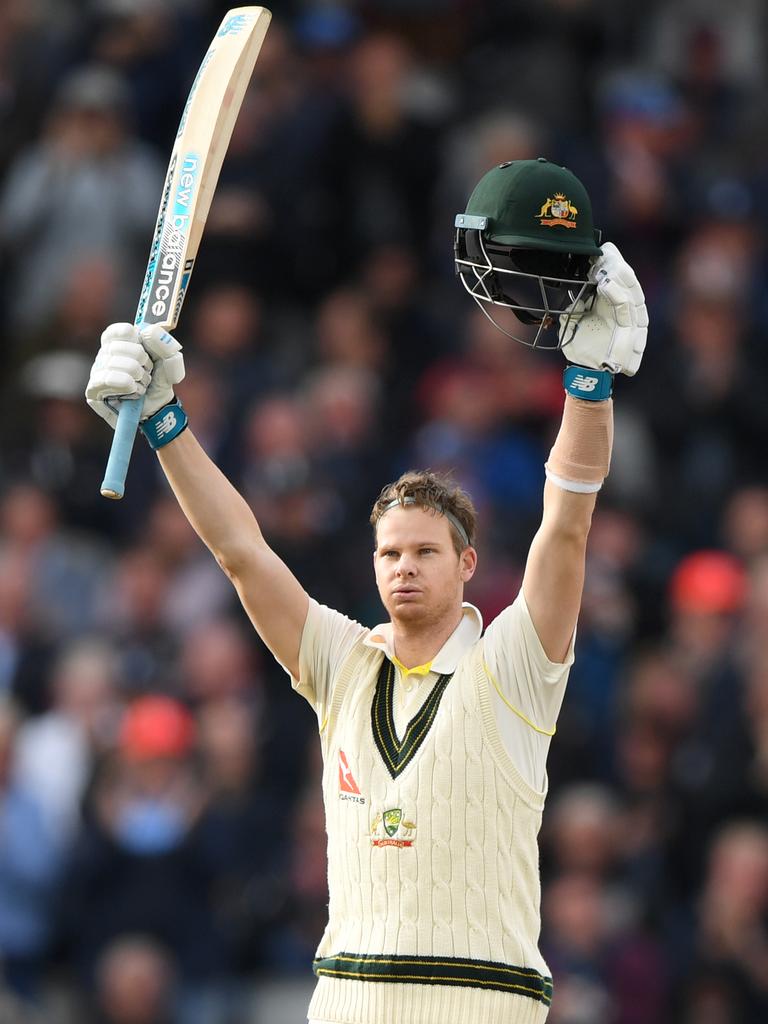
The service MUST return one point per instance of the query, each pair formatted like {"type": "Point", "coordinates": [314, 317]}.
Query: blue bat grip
{"type": "Point", "coordinates": [113, 485]}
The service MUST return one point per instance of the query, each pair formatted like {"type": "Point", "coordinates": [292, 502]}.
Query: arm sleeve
{"type": "Point", "coordinates": [327, 639]}
{"type": "Point", "coordinates": [521, 672]}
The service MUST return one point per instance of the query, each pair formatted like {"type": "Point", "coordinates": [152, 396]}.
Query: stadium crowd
{"type": "Point", "coordinates": [161, 829]}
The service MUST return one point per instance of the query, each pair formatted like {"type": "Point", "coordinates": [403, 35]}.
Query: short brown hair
{"type": "Point", "coordinates": [430, 490]}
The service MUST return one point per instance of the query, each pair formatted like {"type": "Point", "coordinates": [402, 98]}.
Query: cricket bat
{"type": "Point", "coordinates": [202, 138]}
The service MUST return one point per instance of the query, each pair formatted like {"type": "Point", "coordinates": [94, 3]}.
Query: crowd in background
{"type": "Point", "coordinates": [161, 829]}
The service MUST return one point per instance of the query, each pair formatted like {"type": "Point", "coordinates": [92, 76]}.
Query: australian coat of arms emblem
{"type": "Point", "coordinates": [558, 211]}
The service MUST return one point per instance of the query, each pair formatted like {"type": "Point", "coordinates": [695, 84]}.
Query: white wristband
{"type": "Point", "coordinates": [577, 486]}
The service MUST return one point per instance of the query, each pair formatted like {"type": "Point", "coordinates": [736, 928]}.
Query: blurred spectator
{"type": "Point", "coordinates": [733, 41]}
{"type": "Point", "coordinates": [245, 827]}
{"type": "Point", "coordinates": [30, 863]}
{"type": "Point", "coordinates": [583, 831]}
{"type": "Point", "coordinates": [306, 894]}
{"type": "Point", "coordinates": [26, 37]}
{"type": "Point", "coordinates": [198, 591]}
{"type": "Point", "coordinates": [227, 333]}
{"type": "Point", "coordinates": [384, 158]}
{"type": "Point", "coordinates": [134, 983]}
{"type": "Point", "coordinates": [87, 161]}
{"type": "Point", "coordinates": [344, 411]}
{"type": "Point", "coordinates": [218, 661]}
{"type": "Point", "coordinates": [156, 52]}
{"type": "Point", "coordinates": [607, 971]}
{"type": "Point", "coordinates": [137, 610]}
{"type": "Point", "coordinates": [347, 334]}
{"type": "Point", "coordinates": [745, 523]}
{"type": "Point", "coordinates": [706, 592]}
{"type": "Point", "coordinates": [65, 570]}
{"type": "Point", "coordinates": [141, 863]}
{"type": "Point", "coordinates": [538, 56]}
{"type": "Point", "coordinates": [415, 331]}
{"type": "Point", "coordinates": [57, 750]}
{"type": "Point", "coordinates": [59, 451]}
{"type": "Point", "coordinates": [732, 938]}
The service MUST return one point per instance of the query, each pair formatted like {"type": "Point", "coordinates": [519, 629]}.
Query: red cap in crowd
{"type": "Point", "coordinates": [708, 582]}
{"type": "Point", "coordinates": [156, 727]}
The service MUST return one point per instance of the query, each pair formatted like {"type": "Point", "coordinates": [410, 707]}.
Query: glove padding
{"type": "Point", "coordinates": [134, 361]}
{"type": "Point", "coordinates": [611, 332]}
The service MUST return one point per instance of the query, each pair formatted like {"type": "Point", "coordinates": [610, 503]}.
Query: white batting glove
{"type": "Point", "coordinates": [131, 362]}
{"type": "Point", "coordinates": [610, 335]}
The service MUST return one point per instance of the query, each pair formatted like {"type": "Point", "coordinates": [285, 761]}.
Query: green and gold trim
{"type": "Point", "coordinates": [395, 753]}
{"type": "Point", "coordinates": [426, 970]}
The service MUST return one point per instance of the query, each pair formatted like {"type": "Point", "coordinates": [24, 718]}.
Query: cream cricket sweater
{"type": "Point", "coordinates": [433, 858]}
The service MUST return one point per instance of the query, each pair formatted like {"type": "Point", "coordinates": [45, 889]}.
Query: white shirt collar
{"type": "Point", "coordinates": [447, 658]}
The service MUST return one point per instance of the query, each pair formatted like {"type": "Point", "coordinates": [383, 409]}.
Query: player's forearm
{"type": "Point", "coordinates": [554, 574]}
{"type": "Point", "coordinates": [219, 514]}
{"type": "Point", "coordinates": [576, 469]}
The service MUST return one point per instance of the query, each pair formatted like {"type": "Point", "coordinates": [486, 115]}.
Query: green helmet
{"type": "Point", "coordinates": [526, 242]}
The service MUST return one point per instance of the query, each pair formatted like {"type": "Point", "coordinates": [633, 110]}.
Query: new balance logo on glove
{"type": "Point", "coordinates": [168, 422]}
{"type": "Point", "coordinates": [582, 383]}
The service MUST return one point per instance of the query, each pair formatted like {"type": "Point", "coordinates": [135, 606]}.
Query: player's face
{"type": "Point", "coordinates": [418, 572]}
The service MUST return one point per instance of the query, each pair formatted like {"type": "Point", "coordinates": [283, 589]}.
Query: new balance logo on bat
{"type": "Point", "coordinates": [234, 25]}
{"type": "Point", "coordinates": [583, 383]}
{"type": "Point", "coordinates": [166, 424]}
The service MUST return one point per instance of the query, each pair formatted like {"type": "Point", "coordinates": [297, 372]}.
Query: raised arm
{"type": "Point", "coordinates": [554, 572]}
{"type": "Point", "coordinates": [132, 363]}
{"type": "Point", "coordinates": [608, 339]}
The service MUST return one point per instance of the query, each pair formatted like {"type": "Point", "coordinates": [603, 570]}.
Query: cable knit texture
{"type": "Point", "coordinates": [451, 872]}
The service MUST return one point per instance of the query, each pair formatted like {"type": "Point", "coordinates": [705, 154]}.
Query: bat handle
{"type": "Point", "coordinates": [113, 485]}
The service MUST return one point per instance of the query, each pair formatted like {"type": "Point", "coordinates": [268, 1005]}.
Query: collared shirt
{"type": "Point", "coordinates": [412, 686]}
{"type": "Point", "coordinates": [528, 687]}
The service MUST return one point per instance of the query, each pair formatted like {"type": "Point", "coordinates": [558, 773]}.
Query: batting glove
{"type": "Point", "coordinates": [611, 329]}
{"type": "Point", "coordinates": [134, 361]}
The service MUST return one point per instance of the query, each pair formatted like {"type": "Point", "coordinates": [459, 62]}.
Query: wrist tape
{"type": "Point", "coordinates": [164, 425]}
{"type": "Point", "coordinates": [581, 455]}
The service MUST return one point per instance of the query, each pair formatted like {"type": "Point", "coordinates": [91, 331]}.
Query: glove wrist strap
{"type": "Point", "coordinates": [165, 425]}
{"type": "Point", "coordinates": [588, 384]}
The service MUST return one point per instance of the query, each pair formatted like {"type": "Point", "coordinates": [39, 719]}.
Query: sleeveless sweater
{"type": "Point", "coordinates": [432, 858]}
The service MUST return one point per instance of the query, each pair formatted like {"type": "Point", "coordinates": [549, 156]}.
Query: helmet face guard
{"type": "Point", "coordinates": [540, 287]}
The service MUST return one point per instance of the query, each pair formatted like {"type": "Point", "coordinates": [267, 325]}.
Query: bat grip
{"type": "Point", "coordinates": [113, 485]}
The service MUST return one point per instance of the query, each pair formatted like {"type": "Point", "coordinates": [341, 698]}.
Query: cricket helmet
{"type": "Point", "coordinates": [527, 242]}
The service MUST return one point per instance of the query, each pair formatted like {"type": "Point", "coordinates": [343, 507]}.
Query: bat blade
{"type": "Point", "coordinates": [203, 135]}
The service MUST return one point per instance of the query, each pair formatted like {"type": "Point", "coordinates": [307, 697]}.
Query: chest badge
{"type": "Point", "coordinates": [391, 828]}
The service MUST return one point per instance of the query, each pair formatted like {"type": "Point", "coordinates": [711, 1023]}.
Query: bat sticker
{"type": "Point", "coordinates": [159, 227]}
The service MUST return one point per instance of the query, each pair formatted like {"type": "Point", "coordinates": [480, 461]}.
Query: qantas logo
{"type": "Point", "coordinates": [346, 779]}
{"type": "Point", "coordinates": [348, 787]}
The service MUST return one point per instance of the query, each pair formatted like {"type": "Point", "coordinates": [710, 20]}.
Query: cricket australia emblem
{"type": "Point", "coordinates": [558, 211]}
{"type": "Point", "coordinates": [391, 828]}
